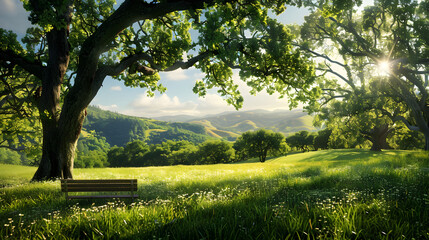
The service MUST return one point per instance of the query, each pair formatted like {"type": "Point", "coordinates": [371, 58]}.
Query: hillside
{"type": "Point", "coordinates": [120, 129]}
{"type": "Point", "coordinates": [286, 122]}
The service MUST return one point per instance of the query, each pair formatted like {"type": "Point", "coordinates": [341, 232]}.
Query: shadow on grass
{"type": "Point", "coordinates": [284, 211]}
{"type": "Point", "coordinates": [347, 156]}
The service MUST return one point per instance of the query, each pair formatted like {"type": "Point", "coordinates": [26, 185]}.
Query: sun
{"type": "Point", "coordinates": [384, 67]}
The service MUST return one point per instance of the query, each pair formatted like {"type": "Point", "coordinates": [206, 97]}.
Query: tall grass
{"type": "Point", "coordinates": [335, 194]}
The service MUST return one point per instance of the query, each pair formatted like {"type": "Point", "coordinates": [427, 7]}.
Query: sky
{"type": "Point", "coordinates": [179, 98]}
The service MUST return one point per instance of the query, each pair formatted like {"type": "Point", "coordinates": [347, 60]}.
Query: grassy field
{"type": "Point", "coordinates": [334, 194]}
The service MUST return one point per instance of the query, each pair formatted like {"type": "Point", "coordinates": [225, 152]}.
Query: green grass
{"type": "Point", "coordinates": [334, 194]}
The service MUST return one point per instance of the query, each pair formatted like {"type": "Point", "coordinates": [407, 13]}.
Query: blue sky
{"type": "Point", "coordinates": [179, 98]}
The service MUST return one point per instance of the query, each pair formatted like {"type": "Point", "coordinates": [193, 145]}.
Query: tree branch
{"type": "Point", "coordinates": [405, 121]}
{"type": "Point", "coordinates": [363, 43]}
{"type": "Point", "coordinates": [128, 62]}
{"type": "Point", "coordinates": [191, 62]}
{"type": "Point", "coordinates": [34, 67]}
{"type": "Point", "coordinates": [129, 12]}
{"type": "Point", "coordinates": [350, 83]}
{"type": "Point", "coordinates": [12, 148]}
{"type": "Point", "coordinates": [318, 54]}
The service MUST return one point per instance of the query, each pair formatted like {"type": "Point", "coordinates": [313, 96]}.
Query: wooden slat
{"type": "Point", "coordinates": [103, 196]}
{"type": "Point", "coordinates": [99, 185]}
{"type": "Point", "coordinates": [99, 180]}
{"type": "Point", "coordinates": [91, 189]}
{"type": "Point", "coordinates": [99, 189]}
{"type": "Point", "coordinates": [95, 185]}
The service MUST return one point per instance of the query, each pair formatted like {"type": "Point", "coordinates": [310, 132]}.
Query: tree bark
{"type": "Point", "coordinates": [53, 163]}
{"type": "Point", "coordinates": [427, 141]}
{"type": "Point", "coordinates": [378, 136]}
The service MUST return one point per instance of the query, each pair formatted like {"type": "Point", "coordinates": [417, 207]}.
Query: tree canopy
{"type": "Point", "coordinates": [257, 144]}
{"type": "Point", "coordinates": [374, 66]}
{"type": "Point", "coordinates": [75, 45]}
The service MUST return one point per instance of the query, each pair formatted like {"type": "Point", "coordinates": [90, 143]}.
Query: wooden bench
{"type": "Point", "coordinates": [99, 185]}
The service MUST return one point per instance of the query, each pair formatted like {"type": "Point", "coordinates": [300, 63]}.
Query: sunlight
{"type": "Point", "coordinates": [384, 67]}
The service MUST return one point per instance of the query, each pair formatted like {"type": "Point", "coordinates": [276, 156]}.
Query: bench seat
{"type": "Point", "coordinates": [99, 185]}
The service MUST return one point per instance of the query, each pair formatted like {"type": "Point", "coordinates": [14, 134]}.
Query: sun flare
{"type": "Point", "coordinates": [384, 67]}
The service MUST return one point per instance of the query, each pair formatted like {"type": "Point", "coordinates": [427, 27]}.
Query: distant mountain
{"type": "Point", "coordinates": [176, 118]}
{"type": "Point", "coordinates": [120, 129]}
{"type": "Point", "coordinates": [215, 132]}
{"type": "Point", "coordinates": [286, 122]}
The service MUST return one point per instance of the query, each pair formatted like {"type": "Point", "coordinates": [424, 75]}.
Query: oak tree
{"type": "Point", "coordinates": [257, 144]}
{"type": "Point", "coordinates": [75, 45]}
{"type": "Point", "coordinates": [381, 66]}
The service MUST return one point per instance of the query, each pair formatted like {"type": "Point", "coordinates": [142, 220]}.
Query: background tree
{"type": "Point", "coordinates": [187, 154]}
{"type": "Point", "coordinates": [76, 45]}
{"type": "Point", "coordinates": [406, 139]}
{"type": "Point", "coordinates": [258, 144]}
{"type": "Point", "coordinates": [135, 152]}
{"type": "Point", "coordinates": [161, 154]}
{"type": "Point", "coordinates": [347, 84]}
{"type": "Point", "coordinates": [321, 140]}
{"type": "Point", "coordinates": [215, 151]}
{"type": "Point", "coordinates": [8, 156]}
{"type": "Point", "coordinates": [342, 136]}
{"type": "Point", "coordinates": [92, 151]}
{"type": "Point", "coordinates": [302, 140]}
{"type": "Point", "coordinates": [388, 38]}
{"type": "Point", "coordinates": [116, 157]}
{"type": "Point", "coordinates": [362, 116]}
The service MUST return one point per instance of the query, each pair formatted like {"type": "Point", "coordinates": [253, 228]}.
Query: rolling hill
{"type": "Point", "coordinates": [286, 122]}
{"type": "Point", "coordinates": [119, 129]}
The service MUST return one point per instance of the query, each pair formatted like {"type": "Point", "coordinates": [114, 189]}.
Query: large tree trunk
{"type": "Point", "coordinates": [424, 126]}
{"type": "Point", "coordinates": [62, 128]}
{"type": "Point", "coordinates": [53, 164]}
{"type": "Point", "coordinates": [421, 118]}
{"type": "Point", "coordinates": [59, 146]}
{"type": "Point", "coordinates": [426, 133]}
{"type": "Point", "coordinates": [378, 136]}
{"type": "Point", "coordinates": [48, 167]}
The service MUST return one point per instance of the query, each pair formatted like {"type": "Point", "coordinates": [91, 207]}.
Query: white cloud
{"type": "Point", "coordinates": [9, 5]}
{"type": "Point", "coordinates": [116, 88]}
{"type": "Point", "coordinates": [176, 75]}
{"type": "Point", "coordinates": [170, 105]}
{"type": "Point", "coordinates": [14, 17]}
{"type": "Point", "coordinates": [261, 100]}
{"type": "Point", "coordinates": [211, 104]}
{"type": "Point", "coordinates": [162, 105]}
{"type": "Point", "coordinates": [161, 101]}
{"type": "Point", "coordinates": [199, 75]}
{"type": "Point", "coordinates": [112, 107]}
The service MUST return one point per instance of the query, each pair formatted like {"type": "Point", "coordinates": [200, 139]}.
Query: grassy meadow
{"type": "Point", "coordinates": [332, 194]}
